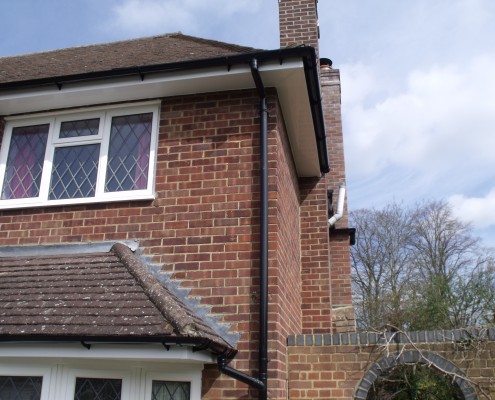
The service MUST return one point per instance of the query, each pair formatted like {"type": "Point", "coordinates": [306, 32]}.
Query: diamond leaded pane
{"type": "Point", "coordinates": [129, 153]}
{"type": "Point", "coordinates": [84, 127]}
{"type": "Point", "coordinates": [97, 389]}
{"type": "Point", "coordinates": [20, 387]}
{"type": "Point", "coordinates": [168, 390]}
{"type": "Point", "coordinates": [25, 162]}
{"type": "Point", "coordinates": [74, 173]}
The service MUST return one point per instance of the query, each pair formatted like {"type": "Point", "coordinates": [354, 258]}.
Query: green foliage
{"type": "Point", "coordinates": [431, 306]}
{"type": "Point", "coordinates": [414, 382]}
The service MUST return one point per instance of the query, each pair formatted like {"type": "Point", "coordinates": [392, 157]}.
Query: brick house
{"type": "Point", "coordinates": [171, 211]}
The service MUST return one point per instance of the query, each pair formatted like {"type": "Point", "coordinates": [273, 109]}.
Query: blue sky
{"type": "Point", "coordinates": [418, 87]}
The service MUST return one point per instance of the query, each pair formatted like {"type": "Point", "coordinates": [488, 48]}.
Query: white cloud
{"type": "Point", "coordinates": [480, 211]}
{"type": "Point", "coordinates": [443, 122]}
{"type": "Point", "coordinates": [145, 16]}
{"type": "Point", "coordinates": [142, 17]}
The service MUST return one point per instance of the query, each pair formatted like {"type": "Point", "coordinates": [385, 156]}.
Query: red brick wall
{"type": "Point", "coordinates": [205, 172]}
{"type": "Point", "coordinates": [298, 23]}
{"type": "Point", "coordinates": [341, 290]}
{"type": "Point", "coordinates": [342, 366]}
{"type": "Point", "coordinates": [325, 253]}
{"type": "Point", "coordinates": [315, 257]}
{"type": "Point", "coordinates": [284, 255]}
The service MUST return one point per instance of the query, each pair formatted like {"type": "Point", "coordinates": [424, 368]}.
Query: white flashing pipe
{"type": "Point", "coordinates": [340, 206]}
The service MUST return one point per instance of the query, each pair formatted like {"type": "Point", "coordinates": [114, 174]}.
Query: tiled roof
{"type": "Point", "coordinates": [98, 295]}
{"type": "Point", "coordinates": [163, 49]}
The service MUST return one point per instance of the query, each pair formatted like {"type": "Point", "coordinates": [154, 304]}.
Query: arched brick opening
{"type": "Point", "coordinates": [385, 364]}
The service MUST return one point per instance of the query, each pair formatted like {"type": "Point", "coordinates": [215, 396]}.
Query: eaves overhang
{"type": "Point", "coordinates": [293, 72]}
{"type": "Point", "coordinates": [117, 350]}
{"type": "Point", "coordinates": [168, 343]}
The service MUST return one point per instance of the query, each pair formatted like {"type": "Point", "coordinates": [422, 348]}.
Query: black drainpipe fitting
{"type": "Point", "coordinates": [261, 382]}
{"type": "Point", "coordinates": [240, 376]}
{"type": "Point", "coordinates": [263, 340]}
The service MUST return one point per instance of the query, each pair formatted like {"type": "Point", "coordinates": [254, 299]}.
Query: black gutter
{"type": "Point", "coordinates": [313, 84]}
{"type": "Point", "coordinates": [346, 231]}
{"type": "Point", "coordinates": [308, 55]}
{"type": "Point", "coordinates": [261, 382]}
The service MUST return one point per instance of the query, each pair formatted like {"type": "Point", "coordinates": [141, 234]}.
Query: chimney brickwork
{"type": "Point", "coordinates": [298, 21]}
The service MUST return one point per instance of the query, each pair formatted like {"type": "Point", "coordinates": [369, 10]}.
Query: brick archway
{"type": "Point", "coordinates": [385, 364]}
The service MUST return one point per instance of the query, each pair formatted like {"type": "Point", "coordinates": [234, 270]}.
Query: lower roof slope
{"type": "Point", "coordinates": [95, 297]}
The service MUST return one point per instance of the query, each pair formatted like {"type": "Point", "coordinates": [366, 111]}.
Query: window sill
{"type": "Point", "coordinates": [30, 203]}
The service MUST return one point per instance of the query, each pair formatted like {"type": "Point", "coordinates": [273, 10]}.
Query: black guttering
{"type": "Point", "coordinates": [306, 53]}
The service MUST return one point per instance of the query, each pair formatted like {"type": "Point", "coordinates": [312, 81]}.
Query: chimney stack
{"type": "Point", "coordinates": [298, 20]}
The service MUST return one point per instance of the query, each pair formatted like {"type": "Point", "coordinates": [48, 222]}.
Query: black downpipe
{"type": "Point", "coordinates": [263, 340]}
{"type": "Point", "coordinates": [261, 382]}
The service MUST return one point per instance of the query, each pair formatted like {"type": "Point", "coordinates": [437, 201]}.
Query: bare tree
{"type": "Point", "coordinates": [420, 268]}
{"type": "Point", "coordinates": [381, 264]}
{"type": "Point", "coordinates": [444, 245]}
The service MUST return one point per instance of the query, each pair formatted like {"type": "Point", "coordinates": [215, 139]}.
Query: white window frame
{"type": "Point", "coordinates": [46, 372]}
{"type": "Point", "coordinates": [103, 138]}
{"type": "Point", "coordinates": [193, 379]}
{"type": "Point", "coordinates": [59, 377]}
{"type": "Point", "coordinates": [73, 374]}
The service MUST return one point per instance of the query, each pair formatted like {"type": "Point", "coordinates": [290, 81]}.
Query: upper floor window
{"type": "Point", "coordinates": [91, 156]}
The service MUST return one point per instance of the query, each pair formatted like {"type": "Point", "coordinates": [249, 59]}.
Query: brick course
{"type": "Point", "coordinates": [298, 23]}
{"type": "Point", "coordinates": [342, 366]}
{"type": "Point", "coordinates": [340, 283]}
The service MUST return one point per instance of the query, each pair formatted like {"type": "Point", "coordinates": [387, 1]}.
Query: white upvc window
{"type": "Point", "coordinates": [96, 155]}
{"type": "Point", "coordinates": [68, 381]}
{"type": "Point", "coordinates": [25, 382]}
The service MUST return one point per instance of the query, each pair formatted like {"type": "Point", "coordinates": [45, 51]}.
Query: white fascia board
{"type": "Point", "coordinates": [287, 77]}
{"type": "Point", "coordinates": [116, 352]}
{"type": "Point", "coordinates": [115, 90]}
{"type": "Point", "coordinates": [294, 101]}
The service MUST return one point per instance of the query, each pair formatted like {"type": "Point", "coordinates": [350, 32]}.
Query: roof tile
{"type": "Point", "coordinates": [93, 295]}
{"type": "Point", "coordinates": [164, 49]}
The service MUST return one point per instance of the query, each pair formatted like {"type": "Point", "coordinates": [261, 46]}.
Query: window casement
{"type": "Point", "coordinates": [61, 381]}
{"type": "Point", "coordinates": [97, 155]}
{"type": "Point", "coordinates": [24, 382]}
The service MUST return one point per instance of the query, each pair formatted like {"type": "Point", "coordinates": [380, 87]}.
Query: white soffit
{"type": "Point", "coordinates": [287, 77]}
{"type": "Point", "coordinates": [141, 352]}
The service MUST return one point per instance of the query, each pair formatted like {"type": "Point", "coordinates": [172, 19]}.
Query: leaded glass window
{"type": "Point", "coordinates": [167, 390]}
{"type": "Point", "coordinates": [86, 157]}
{"type": "Point", "coordinates": [84, 127]}
{"type": "Point", "coordinates": [20, 387]}
{"type": "Point", "coordinates": [129, 153]}
{"type": "Point", "coordinates": [74, 173]}
{"type": "Point", "coordinates": [25, 162]}
{"type": "Point", "coordinates": [98, 389]}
